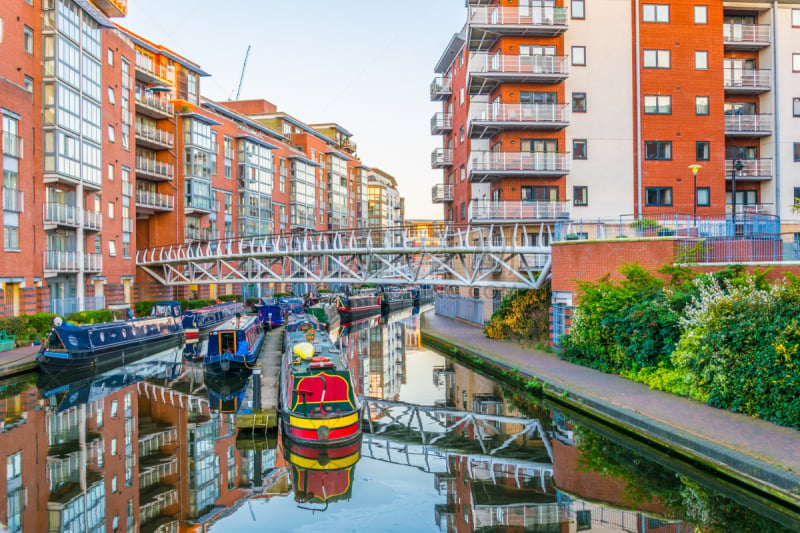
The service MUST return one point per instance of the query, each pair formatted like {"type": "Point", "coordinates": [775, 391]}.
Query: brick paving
{"type": "Point", "coordinates": [739, 436]}
{"type": "Point", "coordinates": [18, 360]}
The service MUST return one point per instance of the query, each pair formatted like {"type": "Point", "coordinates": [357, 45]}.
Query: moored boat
{"type": "Point", "coordinates": [198, 322]}
{"type": "Point", "coordinates": [319, 403]}
{"type": "Point", "coordinates": [92, 347]}
{"type": "Point", "coordinates": [394, 299]}
{"type": "Point", "coordinates": [226, 392]}
{"type": "Point", "coordinates": [234, 345]}
{"type": "Point", "coordinates": [291, 304]}
{"type": "Point", "coordinates": [423, 295]}
{"type": "Point", "coordinates": [357, 306]}
{"type": "Point", "coordinates": [270, 312]}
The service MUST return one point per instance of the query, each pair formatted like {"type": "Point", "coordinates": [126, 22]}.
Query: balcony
{"type": "Point", "coordinates": [441, 123]}
{"type": "Point", "coordinates": [113, 8]}
{"type": "Point", "coordinates": [499, 211]}
{"type": "Point", "coordinates": [151, 202]}
{"type": "Point", "coordinates": [197, 204]}
{"type": "Point", "coordinates": [486, 120]}
{"type": "Point", "coordinates": [197, 234]}
{"type": "Point", "coordinates": [442, 193]}
{"type": "Point", "coordinates": [13, 200]}
{"type": "Point", "coordinates": [486, 71]}
{"type": "Point", "coordinates": [150, 105]}
{"type": "Point", "coordinates": [442, 158]}
{"type": "Point", "coordinates": [745, 36]}
{"type": "Point", "coordinates": [12, 145]}
{"type": "Point", "coordinates": [753, 170]}
{"type": "Point", "coordinates": [748, 125]}
{"type": "Point", "coordinates": [92, 221]}
{"type": "Point", "coordinates": [489, 166]}
{"type": "Point", "coordinates": [153, 138]}
{"type": "Point", "coordinates": [154, 170]}
{"type": "Point", "coordinates": [747, 81]}
{"type": "Point", "coordinates": [150, 71]}
{"type": "Point", "coordinates": [441, 88]}
{"type": "Point", "coordinates": [56, 262]}
{"type": "Point", "coordinates": [60, 215]}
{"type": "Point", "coordinates": [488, 23]}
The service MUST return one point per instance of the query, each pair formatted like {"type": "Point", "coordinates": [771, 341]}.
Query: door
{"type": "Point", "coordinates": [539, 154]}
{"type": "Point", "coordinates": [537, 58]}
{"type": "Point", "coordinates": [739, 72]}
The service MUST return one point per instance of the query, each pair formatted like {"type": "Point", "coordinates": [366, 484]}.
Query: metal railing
{"type": "Point", "coordinates": [518, 113]}
{"type": "Point", "coordinates": [469, 309]}
{"type": "Point", "coordinates": [757, 34]}
{"type": "Point", "coordinates": [441, 123]}
{"type": "Point", "coordinates": [154, 135]}
{"type": "Point", "coordinates": [197, 234]}
{"type": "Point", "coordinates": [93, 220]}
{"type": "Point", "coordinates": [441, 87]}
{"type": "Point", "coordinates": [13, 200]}
{"type": "Point", "coordinates": [441, 157]}
{"type": "Point", "coordinates": [148, 99]}
{"type": "Point", "coordinates": [154, 168]}
{"type": "Point", "coordinates": [518, 16]}
{"type": "Point", "coordinates": [63, 214]}
{"type": "Point", "coordinates": [482, 162]}
{"type": "Point", "coordinates": [12, 145]}
{"type": "Point", "coordinates": [736, 249]}
{"type": "Point", "coordinates": [748, 123]}
{"type": "Point", "coordinates": [154, 199]}
{"type": "Point", "coordinates": [442, 192]}
{"type": "Point", "coordinates": [512, 210]}
{"type": "Point", "coordinates": [485, 63]}
{"type": "Point", "coordinates": [147, 64]}
{"type": "Point", "coordinates": [751, 168]}
{"type": "Point", "coordinates": [747, 79]}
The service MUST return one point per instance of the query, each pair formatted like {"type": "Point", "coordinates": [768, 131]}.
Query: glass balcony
{"type": "Point", "coordinates": [518, 210]}
{"type": "Point", "coordinates": [13, 200]}
{"type": "Point", "coordinates": [93, 221]}
{"type": "Point", "coordinates": [148, 202]}
{"type": "Point", "coordinates": [486, 71]}
{"type": "Point", "coordinates": [58, 261]}
{"type": "Point", "coordinates": [149, 70]}
{"type": "Point", "coordinates": [487, 119]}
{"type": "Point", "coordinates": [487, 23]}
{"type": "Point", "coordinates": [752, 169]}
{"type": "Point", "coordinates": [154, 170]}
{"type": "Point", "coordinates": [441, 88]}
{"type": "Point", "coordinates": [148, 104]}
{"type": "Point", "coordinates": [442, 158]}
{"type": "Point", "coordinates": [197, 204]}
{"type": "Point", "coordinates": [442, 193]}
{"type": "Point", "coordinates": [488, 166]}
{"type": "Point", "coordinates": [63, 215]}
{"type": "Point", "coordinates": [748, 125]}
{"type": "Point", "coordinates": [746, 36]}
{"type": "Point", "coordinates": [441, 123]}
{"type": "Point", "coordinates": [747, 81]}
{"type": "Point", "coordinates": [12, 145]}
{"type": "Point", "coordinates": [153, 138]}
{"type": "Point", "coordinates": [197, 234]}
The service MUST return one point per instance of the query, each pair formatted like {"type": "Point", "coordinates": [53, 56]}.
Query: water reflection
{"type": "Point", "coordinates": [154, 447]}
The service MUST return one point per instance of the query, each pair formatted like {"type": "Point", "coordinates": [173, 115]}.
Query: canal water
{"type": "Point", "coordinates": [154, 447]}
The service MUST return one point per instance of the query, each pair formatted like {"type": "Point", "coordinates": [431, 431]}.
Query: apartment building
{"type": "Point", "coordinates": [547, 114]}
{"type": "Point", "coordinates": [386, 208]}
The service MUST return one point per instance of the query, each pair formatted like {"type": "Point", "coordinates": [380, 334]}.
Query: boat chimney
{"type": "Point", "coordinates": [238, 319]}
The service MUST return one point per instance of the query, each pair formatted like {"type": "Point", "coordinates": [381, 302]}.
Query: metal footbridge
{"type": "Point", "coordinates": [501, 256]}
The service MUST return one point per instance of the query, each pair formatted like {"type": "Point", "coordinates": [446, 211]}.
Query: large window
{"type": "Point", "coordinates": [701, 105]}
{"type": "Point", "coordinates": [658, 196]}
{"type": "Point", "coordinates": [658, 150]}
{"type": "Point", "coordinates": [578, 9]}
{"type": "Point", "coordinates": [539, 193]}
{"type": "Point", "coordinates": [657, 105]}
{"type": "Point", "coordinates": [579, 55]}
{"type": "Point", "coordinates": [656, 58]}
{"type": "Point", "coordinates": [703, 197]}
{"type": "Point", "coordinates": [701, 14]}
{"type": "Point", "coordinates": [655, 13]}
{"type": "Point", "coordinates": [701, 60]}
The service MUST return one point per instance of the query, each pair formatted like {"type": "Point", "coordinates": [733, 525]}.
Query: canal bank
{"type": "Point", "coordinates": [756, 453]}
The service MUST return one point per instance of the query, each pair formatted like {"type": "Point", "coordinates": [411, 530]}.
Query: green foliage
{"type": "Point", "coordinates": [230, 298]}
{"type": "Point", "coordinates": [14, 325]}
{"type": "Point", "coordinates": [143, 308]}
{"type": "Point", "coordinates": [40, 323]}
{"type": "Point", "coordinates": [91, 317]}
{"type": "Point", "coordinates": [644, 223]}
{"type": "Point", "coordinates": [282, 294]}
{"type": "Point", "coordinates": [522, 315]}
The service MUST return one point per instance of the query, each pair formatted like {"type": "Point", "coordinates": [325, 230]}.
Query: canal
{"type": "Point", "coordinates": [154, 447]}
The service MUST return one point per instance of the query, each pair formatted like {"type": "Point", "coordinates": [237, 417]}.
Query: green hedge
{"type": "Point", "coordinates": [28, 328]}
{"type": "Point", "coordinates": [231, 298]}
{"type": "Point", "coordinates": [91, 317]}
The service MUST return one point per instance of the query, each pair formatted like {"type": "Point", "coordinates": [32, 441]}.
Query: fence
{"type": "Point", "coordinates": [469, 309]}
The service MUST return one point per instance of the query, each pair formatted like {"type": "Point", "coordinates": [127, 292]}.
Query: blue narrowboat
{"type": "Point", "coordinates": [234, 345]}
{"type": "Point", "coordinates": [90, 347]}
{"type": "Point", "coordinates": [292, 305]}
{"type": "Point", "coordinates": [226, 392]}
{"type": "Point", "coordinates": [270, 312]}
{"type": "Point", "coordinates": [198, 322]}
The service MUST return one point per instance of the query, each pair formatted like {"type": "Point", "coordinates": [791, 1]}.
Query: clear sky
{"type": "Point", "coordinates": [364, 64]}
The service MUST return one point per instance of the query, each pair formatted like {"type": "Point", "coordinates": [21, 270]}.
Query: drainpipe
{"type": "Point", "coordinates": [776, 114]}
{"type": "Point", "coordinates": [637, 74]}
{"type": "Point", "coordinates": [80, 237]}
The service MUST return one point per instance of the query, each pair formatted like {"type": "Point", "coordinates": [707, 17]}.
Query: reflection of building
{"type": "Point", "coordinates": [386, 359]}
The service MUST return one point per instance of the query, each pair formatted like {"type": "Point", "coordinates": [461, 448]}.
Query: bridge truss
{"type": "Point", "coordinates": [501, 256]}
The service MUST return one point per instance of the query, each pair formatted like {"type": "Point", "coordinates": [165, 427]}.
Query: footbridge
{"type": "Point", "coordinates": [489, 255]}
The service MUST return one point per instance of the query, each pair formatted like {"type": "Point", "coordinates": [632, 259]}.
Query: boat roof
{"type": "Point", "coordinates": [230, 323]}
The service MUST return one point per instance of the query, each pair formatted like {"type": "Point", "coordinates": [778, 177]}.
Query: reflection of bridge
{"type": "Point", "coordinates": [466, 255]}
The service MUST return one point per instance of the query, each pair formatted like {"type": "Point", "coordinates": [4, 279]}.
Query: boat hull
{"type": "Point", "coordinates": [333, 430]}
{"type": "Point", "coordinates": [358, 313]}
{"type": "Point", "coordinates": [234, 363]}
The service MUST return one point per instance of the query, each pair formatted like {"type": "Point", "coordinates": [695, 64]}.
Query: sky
{"type": "Point", "coordinates": [366, 65]}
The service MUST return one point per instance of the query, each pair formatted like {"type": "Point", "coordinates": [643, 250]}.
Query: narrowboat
{"type": "Point", "coordinates": [198, 322]}
{"type": "Point", "coordinates": [321, 476]}
{"type": "Point", "coordinates": [270, 313]}
{"type": "Point", "coordinates": [394, 299]}
{"type": "Point", "coordinates": [226, 392]}
{"type": "Point", "coordinates": [423, 295]}
{"type": "Point", "coordinates": [319, 402]}
{"type": "Point", "coordinates": [357, 306]}
{"type": "Point", "coordinates": [92, 347]}
{"type": "Point", "coordinates": [234, 345]}
{"type": "Point", "coordinates": [293, 305]}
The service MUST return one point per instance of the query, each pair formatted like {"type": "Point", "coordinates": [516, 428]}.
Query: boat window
{"type": "Point", "coordinates": [160, 310]}
{"type": "Point", "coordinates": [54, 342]}
{"type": "Point", "coordinates": [227, 342]}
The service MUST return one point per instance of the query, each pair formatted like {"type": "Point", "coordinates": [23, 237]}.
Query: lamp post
{"type": "Point", "coordinates": [694, 168]}
{"type": "Point", "coordinates": [737, 166]}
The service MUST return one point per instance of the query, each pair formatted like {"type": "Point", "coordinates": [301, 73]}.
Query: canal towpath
{"type": "Point", "coordinates": [769, 452]}
{"type": "Point", "coordinates": [18, 360]}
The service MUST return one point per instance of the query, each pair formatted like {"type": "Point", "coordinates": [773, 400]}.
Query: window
{"type": "Point", "coordinates": [579, 55]}
{"type": "Point", "coordinates": [578, 9]}
{"type": "Point", "coordinates": [461, 135]}
{"type": "Point", "coordinates": [461, 96]}
{"type": "Point", "coordinates": [701, 105]}
{"type": "Point", "coordinates": [579, 102]}
{"type": "Point", "coordinates": [112, 249]}
{"type": "Point", "coordinates": [28, 40]}
{"type": "Point", "coordinates": [796, 18]}
{"type": "Point", "coordinates": [658, 150]}
{"type": "Point", "coordinates": [658, 196]}
{"type": "Point", "coordinates": [461, 59]}
{"type": "Point", "coordinates": [111, 172]}
{"type": "Point", "coordinates": [113, 408]}
{"type": "Point", "coordinates": [701, 59]}
{"type": "Point", "coordinates": [656, 58]}
{"type": "Point", "coordinates": [111, 210]}
{"type": "Point", "coordinates": [796, 107]}
{"type": "Point", "coordinates": [463, 211]}
{"type": "Point", "coordinates": [11, 235]}
{"type": "Point", "coordinates": [539, 193]}
{"type": "Point", "coordinates": [702, 151]}
{"type": "Point", "coordinates": [796, 147]}
{"type": "Point", "coordinates": [795, 62]}
{"type": "Point", "coordinates": [463, 172]}
{"type": "Point", "coordinates": [701, 14]}
{"type": "Point", "coordinates": [796, 200]}
{"type": "Point", "coordinates": [657, 105]}
{"type": "Point", "coordinates": [579, 149]}
{"type": "Point", "coordinates": [29, 84]}
{"type": "Point", "coordinates": [655, 13]}
{"type": "Point", "coordinates": [113, 446]}
{"type": "Point", "coordinates": [580, 195]}
{"type": "Point", "coordinates": [114, 479]}
{"type": "Point", "coordinates": [111, 99]}
{"type": "Point", "coordinates": [703, 197]}
{"type": "Point", "coordinates": [111, 135]}
{"type": "Point", "coordinates": [111, 57]}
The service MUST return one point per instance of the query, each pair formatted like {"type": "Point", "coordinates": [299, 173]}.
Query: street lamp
{"type": "Point", "coordinates": [737, 166]}
{"type": "Point", "coordinates": [694, 168]}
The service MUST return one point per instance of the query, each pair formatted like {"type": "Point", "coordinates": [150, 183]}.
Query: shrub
{"type": "Point", "coordinates": [14, 325]}
{"type": "Point", "coordinates": [230, 298]}
{"type": "Point", "coordinates": [522, 315]}
{"type": "Point", "coordinates": [40, 323]}
{"type": "Point", "coordinates": [143, 308]}
{"type": "Point", "coordinates": [644, 223]}
{"type": "Point", "coordinates": [91, 317]}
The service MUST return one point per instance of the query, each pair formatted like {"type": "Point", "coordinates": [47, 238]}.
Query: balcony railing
{"type": "Point", "coordinates": [56, 214]}
{"type": "Point", "coordinates": [154, 136]}
{"type": "Point", "coordinates": [441, 123]}
{"type": "Point", "coordinates": [487, 70]}
{"type": "Point", "coordinates": [518, 210]}
{"type": "Point", "coordinates": [746, 36]}
{"type": "Point", "coordinates": [441, 88]}
{"type": "Point", "coordinates": [154, 200]}
{"type": "Point", "coordinates": [748, 124]}
{"type": "Point", "coordinates": [197, 234]}
{"type": "Point", "coordinates": [147, 65]}
{"type": "Point", "coordinates": [488, 118]}
{"type": "Point", "coordinates": [154, 169]}
{"type": "Point", "coordinates": [487, 165]}
{"type": "Point", "coordinates": [58, 261]}
{"type": "Point", "coordinates": [752, 169]}
{"type": "Point", "coordinates": [13, 200]}
{"type": "Point", "coordinates": [441, 193]}
{"type": "Point", "coordinates": [751, 81]}
{"type": "Point", "coordinates": [496, 15]}
{"type": "Point", "coordinates": [93, 220]}
{"type": "Point", "coordinates": [198, 203]}
{"type": "Point", "coordinates": [159, 106]}
{"type": "Point", "coordinates": [12, 145]}
{"type": "Point", "coordinates": [442, 157]}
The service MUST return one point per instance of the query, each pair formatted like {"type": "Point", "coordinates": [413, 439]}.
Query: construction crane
{"type": "Point", "coordinates": [241, 78]}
